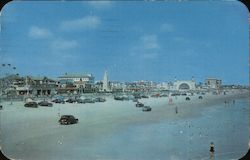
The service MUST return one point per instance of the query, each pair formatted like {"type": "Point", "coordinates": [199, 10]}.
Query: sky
{"type": "Point", "coordinates": [157, 41]}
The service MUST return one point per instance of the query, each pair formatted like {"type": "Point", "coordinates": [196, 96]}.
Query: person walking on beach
{"type": "Point", "coordinates": [170, 100]}
{"type": "Point", "coordinates": [176, 109]}
{"type": "Point", "coordinates": [211, 151]}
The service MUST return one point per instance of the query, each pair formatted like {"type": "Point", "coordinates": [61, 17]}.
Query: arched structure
{"type": "Point", "coordinates": [184, 85]}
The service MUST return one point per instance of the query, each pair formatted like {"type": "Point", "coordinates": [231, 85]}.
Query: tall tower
{"type": "Point", "coordinates": [105, 87]}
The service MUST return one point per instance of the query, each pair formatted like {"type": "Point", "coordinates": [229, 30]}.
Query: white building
{"type": "Point", "coordinates": [213, 83]}
{"type": "Point", "coordinates": [183, 85]}
{"type": "Point", "coordinates": [87, 78]}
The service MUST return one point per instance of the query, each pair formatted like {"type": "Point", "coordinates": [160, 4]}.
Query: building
{"type": "Point", "coordinates": [213, 83]}
{"type": "Point", "coordinates": [29, 85]}
{"type": "Point", "coordinates": [86, 78]}
{"type": "Point", "coordinates": [76, 83]}
{"type": "Point", "coordinates": [184, 85]}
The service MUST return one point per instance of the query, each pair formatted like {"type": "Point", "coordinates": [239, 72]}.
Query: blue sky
{"type": "Point", "coordinates": [131, 40]}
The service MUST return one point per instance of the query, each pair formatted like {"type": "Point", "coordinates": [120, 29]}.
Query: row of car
{"type": "Point", "coordinates": [34, 104]}
{"type": "Point", "coordinates": [144, 108]}
{"type": "Point", "coordinates": [79, 100]}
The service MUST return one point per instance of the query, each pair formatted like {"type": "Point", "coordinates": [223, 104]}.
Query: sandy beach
{"type": "Point", "coordinates": [119, 130]}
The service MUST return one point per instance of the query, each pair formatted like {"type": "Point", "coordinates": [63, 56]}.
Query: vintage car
{"type": "Point", "coordinates": [144, 96]}
{"type": "Point", "coordinates": [71, 100]}
{"type": "Point", "coordinates": [187, 99]}
{"type": "Point", "coordinates": [119, 98]}
{"type": "Point", "coordinates": [88, 100]}
{"type": "Point", "coordinates": [139, 104]}
{"type": "Point", "coordinates": [99, 99]}
{"type": "Point", "coordinates": [31, 104]}
{"type": "Point", "coordinates": [146, 109]}
{"type": "Point", "coordinates": [200, 97]}
{"type": "Point", "coordinates": [58, 101]}
{"type": "Point", "coordinates": [45, 103]}
{"type": "Point", "coordinates": [79, 100]}
{"type": "Point", "coordinates": [67, 119]}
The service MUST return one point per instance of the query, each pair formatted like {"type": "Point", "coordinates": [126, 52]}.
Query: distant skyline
{"type": "Point", "coordinates": [133, 41]}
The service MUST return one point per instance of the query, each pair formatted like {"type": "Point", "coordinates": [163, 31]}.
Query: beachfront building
{"type": "Point", "coordinates": [117, 86]}
{"type": "Point", "coordinates": [165, 86]}
{"type": "Point", "coordinates": [41, 86]}
{"type": "Point", "coordinates": [29, 85]}
{"type": "Point", "coordinates": [184, 85]}
{"type": "Point", "coordinates": [140, 86]}
{"type": "Point", "coordinates": [213, 83]}
{"type": "Point", "coordinates": [76, 83]}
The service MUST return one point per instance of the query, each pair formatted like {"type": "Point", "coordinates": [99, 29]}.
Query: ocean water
{"type": "Point", "coordinates": [102, 134]}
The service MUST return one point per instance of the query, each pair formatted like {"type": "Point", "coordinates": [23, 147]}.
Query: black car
{"type": "Point", "coordinates": [45, 103]}
{"type": "Point", "coordinates": [144, 96]}
{"type": "Point", "coordinates": [1, 107]}
{"type": "Point", "coordinates": [146, 109]}
{"type": "Point", "coordinates": [67, 119]}
{"type": "Point", "coordinates": [58, 101]}
{"type": "Point", "coordinates": [187, 99]}
{"type": "Point", "coordinates": [119, 98]}
{"type": "Point", "coordinates": [71, 100]}
{"type": "Point", "coordinates": [139, 104]}
{"type": "Point", "coordinates": [80, 101]}
{"type": "Point", "coordinates": [31, 104]}
{"type": "Point", "coordinates": [200, 97]}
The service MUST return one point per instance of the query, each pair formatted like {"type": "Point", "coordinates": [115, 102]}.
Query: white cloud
{"type": "Point", "coordinates": [147, 48]}
{"type": "Point", "coordinates": [85, 23]}
{"type": "Point", "coordinates": [101, 4]}
{"type": "Point", "coordinates": [39, 33]}
{"type": "Point", "coordinates": [166, 27]}
{"type": "Point", "coordinates": [62, 44]}
{"type": "Point", "coordinates": [150, 42]}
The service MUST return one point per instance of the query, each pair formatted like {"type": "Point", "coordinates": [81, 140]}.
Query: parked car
{"type": "Point", "coordinates": [139, 104]}
{"type": "Point", "coordinates": [67, 119]}
{"type": "Point", "coordinates": [137, 96]}
{"type": "Point", "coordinates": [80, 101]}
{"type": "Point", "coordinates": [99, 99]}
{"type": "Point", "coordinates": [155, 95]}
{"type": "Point", "coordinates": [200, 97]}
{"type": "Point", "coordinates": [45, 103]}
{"type": "Point", "coordinates": [144, 96]}
{"type": "Point", "coordinates": [146, 109]}
{"type": "Point", "coordinates": [58, 101]}
{"type": "Point", "coordinates": [88, 100]}
{"type": "Point", "coordinates": [71, 100]}
{"type": "Point", "coordinates": [31, 104]}
{"type": "Point", "coordinates": [164, 95]}
{"type": "Point", "coordinates": [1, 107]}
{"type": "Point", "coordinates": [187, 99]}
{"type": "Point", "coordinates": [118, 98]}
{"type": "Point", "coordinates": [135, 100]}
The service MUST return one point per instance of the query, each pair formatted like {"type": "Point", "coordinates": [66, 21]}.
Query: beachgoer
{"type": "Point", "coordinates": [176, 109]}
{"type": "Point", "coordinates": [212, 150]}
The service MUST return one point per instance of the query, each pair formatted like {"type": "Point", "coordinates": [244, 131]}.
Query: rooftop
{"type": "Point", "coordinates": [76, 76]}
